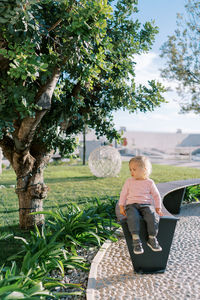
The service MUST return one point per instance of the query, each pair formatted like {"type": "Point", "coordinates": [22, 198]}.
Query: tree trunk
{"type": "Point", "coordinates": [31, 200]}
{"type": "Point", "coordinates": [30, 189]}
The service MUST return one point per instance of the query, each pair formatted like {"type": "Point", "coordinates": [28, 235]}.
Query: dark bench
{"type": "Point", "coordinates": [172, 194]}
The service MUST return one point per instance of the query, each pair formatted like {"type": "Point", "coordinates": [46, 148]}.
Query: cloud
{"type": "Point", "coordinates": [160, 116]}
{"type": "Point", "coordinates": [165, 118]}
{"type": "Point", "coordinates": [148, 66]}
{"type": "Point", "coordinates": [144, 61]}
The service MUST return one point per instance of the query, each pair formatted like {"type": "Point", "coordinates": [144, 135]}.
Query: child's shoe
{"type": "Point", "coordinates": [153, 244]}
{"type": "Point", "coordinates": [137, 247]}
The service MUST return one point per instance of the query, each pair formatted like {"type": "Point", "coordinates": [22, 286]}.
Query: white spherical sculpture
{"type": "Point", "coordinates": [105, 161]}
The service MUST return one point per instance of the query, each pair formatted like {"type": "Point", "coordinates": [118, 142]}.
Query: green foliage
{"type": "Point", "coordinates": [106, 208]}
{"type": "Point", "coordinates": [192, 194]}
{"type": "Point", "coordinates": [181, 51]}
{"type": "Point", "coordinates": [5, 236]}
{"type": "Point", "coordinates": [26, 64]}
{"type": "Point", "coordinates": [14, 284]}
{"type": "Point", "coordinates": [82, 228]}
{"type": "Point", "coordinates": [93, 45]}
{"type": "Point", "coordinates": [43, 254]}
{"type": "Point", "coordinates": [17, 286]}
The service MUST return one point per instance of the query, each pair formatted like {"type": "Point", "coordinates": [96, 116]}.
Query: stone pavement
{"type": "Point", "coordinates": [112, 277]}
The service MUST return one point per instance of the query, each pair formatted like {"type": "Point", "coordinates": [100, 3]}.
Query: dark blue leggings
{"type": "Point", "coordinates": [147, 212]}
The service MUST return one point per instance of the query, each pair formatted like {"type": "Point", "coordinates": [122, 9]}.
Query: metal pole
{"type": "Point", "coordinates": [1, 161]}
{"type": "Point", "coordinates": [84, 144]}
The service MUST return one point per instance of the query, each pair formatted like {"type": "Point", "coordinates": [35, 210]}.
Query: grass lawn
{"type": "Point", "coordinates": [73, 183]}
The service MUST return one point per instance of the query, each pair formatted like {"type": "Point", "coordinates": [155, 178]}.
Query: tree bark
{"type": "Point", "coordinates": [31, 200]}
{"type": "Point", "coordinates": [31, 189]}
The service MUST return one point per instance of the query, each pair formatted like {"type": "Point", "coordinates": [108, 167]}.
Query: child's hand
{"type": "Point", "coordinates": [159, 212]}
{"type": "Point", "coordinates": [122, 210]}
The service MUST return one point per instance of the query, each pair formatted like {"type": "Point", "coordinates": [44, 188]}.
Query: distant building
{"type": "Point", "coordinates": [160, 141]}
{"type": "Point", "coordinates": [192, 140]}
{"type": "Point", "coordinates": [190, 145]}
{"type": "Point", "coordinates": [154, 144]}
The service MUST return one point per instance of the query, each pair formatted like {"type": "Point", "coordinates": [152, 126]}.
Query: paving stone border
{"type": "Point", "coordinates": [92, 278]}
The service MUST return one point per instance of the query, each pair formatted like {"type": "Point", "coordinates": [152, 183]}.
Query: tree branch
{"type": "Point", "coordinates": [43, 98]}
{"type": "Point", "coordinates": [55, 25]}
{"type": "Point", "coordinates": [76, 89]}
{"type": "Point", "coordinates": [28, 126]}
{"type": "Point", "coordinates": [59, 20]}
{"type": "Point", "coordinates": [195, 78]}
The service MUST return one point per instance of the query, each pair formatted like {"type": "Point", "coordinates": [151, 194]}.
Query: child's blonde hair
{"type": "Point", "coordinates": [144, 163]}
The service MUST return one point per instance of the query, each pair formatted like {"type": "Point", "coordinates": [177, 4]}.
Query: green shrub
{"type": "Point", "coordinates": [192, 194]}
{"type": "Point", "coordinates": [14, 284]}
{"type": "Point", "coordinates": [82, 228]}
{"type": "Point", "coordinates": [43, 250]}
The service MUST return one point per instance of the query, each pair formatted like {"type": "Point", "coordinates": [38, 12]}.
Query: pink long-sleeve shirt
{"type": "Point", "coordinates": [140, 191]}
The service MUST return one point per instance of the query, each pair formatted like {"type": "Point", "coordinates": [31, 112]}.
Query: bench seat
{"type": "Point", "coordinates": [172, 194]}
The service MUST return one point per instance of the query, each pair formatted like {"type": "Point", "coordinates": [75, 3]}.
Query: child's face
{"type": "Point", "coordinates": [136, 171]}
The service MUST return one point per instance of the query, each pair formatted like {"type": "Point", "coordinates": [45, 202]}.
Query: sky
{"type": "Point", "coordinates": [166, 118]}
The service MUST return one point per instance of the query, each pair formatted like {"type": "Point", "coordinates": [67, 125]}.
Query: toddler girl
{"type": "Point", "coordinates": [136, 200]}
